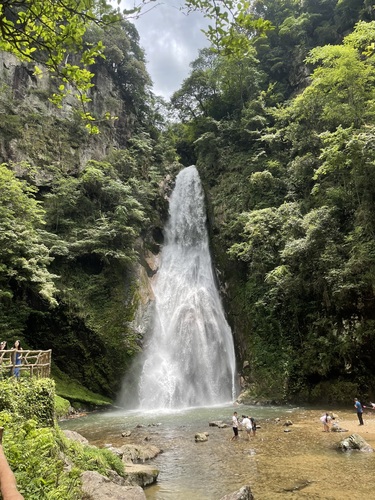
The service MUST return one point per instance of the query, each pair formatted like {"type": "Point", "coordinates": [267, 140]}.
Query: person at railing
{"type": "Point", "coordinates": [16, 358]}
{"type": "Point", "coordinates": [3, 345]}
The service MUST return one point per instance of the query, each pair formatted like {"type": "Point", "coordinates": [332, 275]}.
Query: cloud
{"type": "Point", "coordinates": [171, 40]}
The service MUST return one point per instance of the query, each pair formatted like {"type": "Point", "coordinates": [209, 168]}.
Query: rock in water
{"type": "Point", "coordinates": [355, 442]}
{"type": "Point", "coordinates": [242, 494]}
{"type": "Point", "coordinates": [98, 487]}
{"type": "Point", "coordinates": [200, 437]}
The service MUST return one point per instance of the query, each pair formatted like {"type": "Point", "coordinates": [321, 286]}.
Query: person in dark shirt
{"type": "Point", "coordinates": [358, 407]}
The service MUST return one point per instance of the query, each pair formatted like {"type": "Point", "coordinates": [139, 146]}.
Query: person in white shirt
{"type": "Point", "coordinates": [326, 420]}
{"type": "Point", "coordinates": [235, 426]}
{"type": "Point", "coordinates": [246, 424]}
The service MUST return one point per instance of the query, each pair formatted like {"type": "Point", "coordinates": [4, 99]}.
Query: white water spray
{"type": "Point", "coordinates": [189, 360]}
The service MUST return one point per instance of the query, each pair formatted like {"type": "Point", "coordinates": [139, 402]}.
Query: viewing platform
{"type": "Point", "coordinates": [35, 363]}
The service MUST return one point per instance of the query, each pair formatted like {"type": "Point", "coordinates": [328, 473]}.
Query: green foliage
{"type": "Point", "coordinates": [61, 407]}
{"type": "Point", "coordinates": [234, 26]}
{"type": "Point", "coordinates": [338, 392]}
{"type": "Point", "coordinates": [37, 450]}
{"type": "Point", "coordinates": [24, 257]}
{"type": "Point", "coordinates": [96, 214]}
{"type": "Point", "coordinates": [31, 399]}
{"type": "Point", "coordinates": [73, 393]}
{"type": "Point", "coordinates": [291, 197]}
{"type": "Point", "coordinates": [217, 87]}
{"type": "Point", "coordinates": [92, 458]}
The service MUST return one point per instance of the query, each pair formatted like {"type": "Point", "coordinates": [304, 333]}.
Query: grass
{"type": "Point", "coordinates": [75, 393]}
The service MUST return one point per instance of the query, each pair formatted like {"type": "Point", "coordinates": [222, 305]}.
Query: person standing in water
{"type": "Point", "coordinates": [253, 425]}
{"type": "Point", "coordinates": [326, 420]}
{"type": "Point", "coordinates": [235, 426]}
{"type": "Point", "coordinates": [358, 407]}
{"type": "Point", "coordinates": [247, 426]}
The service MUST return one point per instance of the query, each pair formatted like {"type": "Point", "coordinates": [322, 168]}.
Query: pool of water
{"type": "Point", "coordinates": [302, 463]}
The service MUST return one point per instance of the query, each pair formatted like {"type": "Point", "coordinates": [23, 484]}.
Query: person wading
{"type": "Point", "coordinates": [358, 407]}
{"type": "Point", "coordinates": [235, 426]}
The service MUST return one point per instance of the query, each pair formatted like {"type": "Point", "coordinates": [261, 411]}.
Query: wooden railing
{"type": "Point", "coordinates": [38, 363]}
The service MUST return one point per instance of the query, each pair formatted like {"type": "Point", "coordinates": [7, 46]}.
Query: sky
{"type": "Point", "coordinates": [171, 41]}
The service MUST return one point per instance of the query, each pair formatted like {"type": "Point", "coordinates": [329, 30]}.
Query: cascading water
{"type": "Point", "coordinates": [189, 360]}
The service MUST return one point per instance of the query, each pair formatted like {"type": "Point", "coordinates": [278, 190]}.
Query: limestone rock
{"type": "Point", "coordinates": [243, 493]}
{"type": "Point", "coordinates": [75, 436]}
{"type": "Point", "coordinates": [218, 423]}
{"type": "Point", "coordinates": [137, 453]}
{"type": "Point", "coordinates": [98, 487]}
{"type": "Point", "coordinates": [142, 475]}
{"type": "Point", "coordinates": [115, 451]}
{"type": "Point", "coordinates": [336, 428]}
{"type": "Point", "coordinates": [355, 442]}
{"type": "Point", "coordinates": [201, 437]}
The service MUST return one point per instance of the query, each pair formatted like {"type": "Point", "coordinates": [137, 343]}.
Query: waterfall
{"type": "Point", "coordinates": [189, 358]}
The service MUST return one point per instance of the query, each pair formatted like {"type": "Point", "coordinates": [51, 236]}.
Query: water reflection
{"type": "Point", "coordinates": [302, 463]}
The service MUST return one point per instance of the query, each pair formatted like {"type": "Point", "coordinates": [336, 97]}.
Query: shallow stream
{"type": "Point", "coordinates": [302, 463]}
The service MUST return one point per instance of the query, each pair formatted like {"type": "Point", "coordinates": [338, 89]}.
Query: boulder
{"type": "Point", "coordinates": [98, 487]}
{"type": "Point", "coordinates": [243, 493]}
{"type": "Point", "coordinates": [141, 475]}
{"type": "Point", "coordinates": [355, 442]}
{"type": "Point", "coordinates": [201, 437]}
{"type": "Point", "coordinates": [336, 428]}
{"type": "Point", "coordinates": [75, 436]}
{"type": "Point", "coordinates": [115, 451]}
{"type": "Point", "coordinates": [218, 423]}
{"type": "Point", "coordinates": [137, 453]}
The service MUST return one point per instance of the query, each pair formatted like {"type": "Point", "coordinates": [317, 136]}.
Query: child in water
{"type": "Point", "coordinates": [326, 420]}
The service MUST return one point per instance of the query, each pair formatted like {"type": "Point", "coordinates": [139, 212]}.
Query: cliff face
{"type": "Point", "coordinates": [36, 131]}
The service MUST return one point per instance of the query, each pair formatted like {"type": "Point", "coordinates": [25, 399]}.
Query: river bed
{"type": "Point", "coordinates": [301, 464]}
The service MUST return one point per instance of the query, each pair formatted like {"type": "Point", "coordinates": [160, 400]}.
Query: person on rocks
{"type": "Point", "coordinates": [246, 424]}
{"type": "Point", "coordinates": [358, 407]}
{"type": "Point", "coordinates": [326, 421]}
{"type": "Point", "coordinates": [235, 426]}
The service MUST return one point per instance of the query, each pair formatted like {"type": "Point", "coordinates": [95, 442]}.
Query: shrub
{"type": "Point", "coordinates": [30, 399]}
{"type": "Point", "coordinates": [37, 449]}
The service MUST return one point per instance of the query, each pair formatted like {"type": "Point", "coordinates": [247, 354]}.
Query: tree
{"type": "Point", "coordinates": [23, 257]}
{"type": "Point", "coordinates": [234, 27]}
{"type": "Point", "coordinates": [199, 89]}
